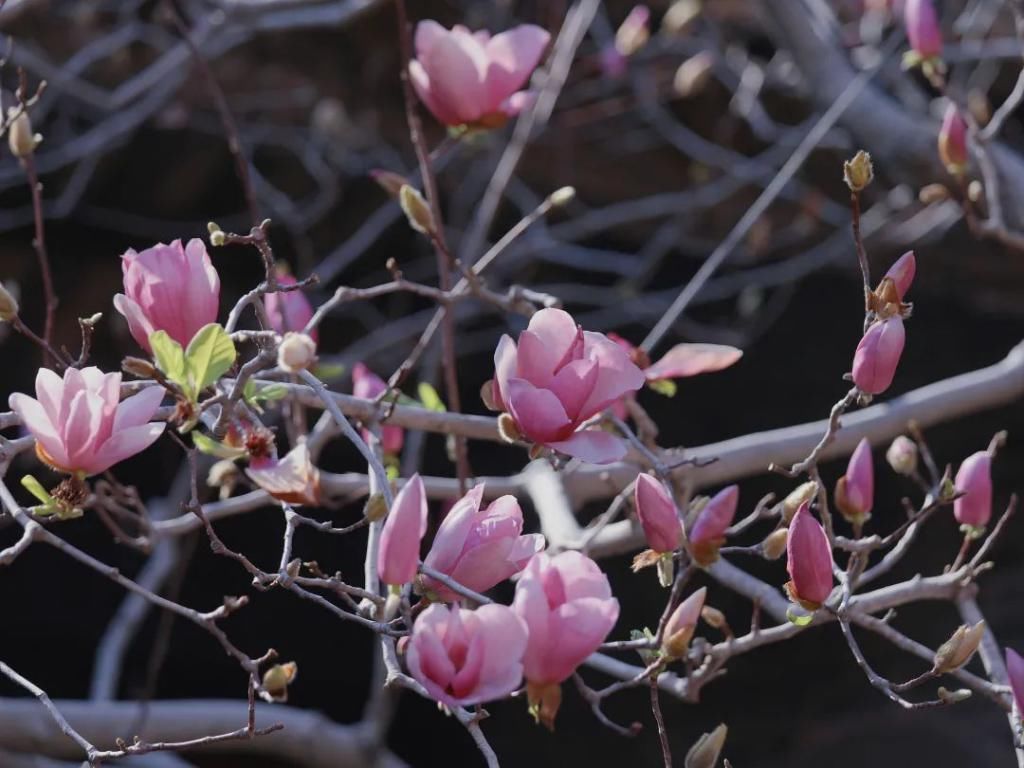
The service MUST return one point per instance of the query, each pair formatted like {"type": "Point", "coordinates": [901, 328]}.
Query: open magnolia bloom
{"type": "Point", "coordinates": [79, 424]}
{"type": "Point", "coordinates": [293, 479]}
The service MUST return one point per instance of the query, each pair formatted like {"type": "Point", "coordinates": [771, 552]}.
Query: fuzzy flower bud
{"type": "Point", "coordinates": [902, 455]}
{"type": "Point", "coordinates": [707, 532]}
{"type": "Point", "coordinates": [959, 649]}
{"type": "Point", "coordinates": [20, 138]}
{"type": "Point", "coordinates": [858, 172]}
{"type": "Point", "coordinates": [799, 496]}
{"type": "Point", "coordinates": [705, 753]}
{"type": "Point", "coordinates": [878, 355]}
{"type": "Point", "coordinates": [953, 141]}
{"type": "Point", "coordinates": [416, 210]}
{"type": "Point", "coordinates": [681, 624]}
{"type": "Point", "coordinates": [296, 352]}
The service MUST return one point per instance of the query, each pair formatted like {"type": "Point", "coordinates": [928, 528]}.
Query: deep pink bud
{"type": "Point", "coordinates": [809, 560]}
{"type": "Point", "coordinates": [557, 377]}
{"type": "Point", "coordinates": [953, 141]}
{"type": "Point", "coordinates": [923, 28]}
{"type": "Point", "coordinates": [974, 479]}
{"type": "Point", "coordinates": [569, 610]}
{"type": "Point", "coordinates": [878, 355]}
{"type": "Point", "coordinates": [855, 491]}
{"type": "Point", "coordinates": [1015, 671]}
{"type": "Point", "coordinates": [289, 310]}
{"type": "Point", "coordinates": [471, 78]}
{"type": "Point", "coordinates": [404, 527]}
{"type": "Point", "coordinates": [902, 273]}
{"type": "Point", "coordinates": [657, 514]}
{"type": "Point", "coordinates": [368, 385]}
{"type": "Point", "coordinates": [467, 657]}
{"type": "Point", "coordinates": [78, 423]}
{"type": "Point", "coordinates": [479, 548]}
{"type": "Point", "coordinates": [168, 288]}
{"type": "Point", "coordinates": [706, 533]}
{"type": "Point", "coordinates": [681, 624]}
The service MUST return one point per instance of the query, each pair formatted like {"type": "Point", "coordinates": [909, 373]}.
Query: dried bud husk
{"type": "Point", "coordinates": [224, 475]}
{"type": "Point", "coordinates": [858, 171]}
{"type": "Point", "coordinates": [376, 508]}
{"type": "Point", "coordinates": [802, 493]}
{"type": "Point", "coordinates": [705, 753]}
{"type": "Point", "coordinates": [277, 679]}
{"type": "Point", "coordinates": [508, 429]}
{"type": "Point", "coordinates": [544, 702]}
{"type": "Point", "coordinates": [136, 366]}
{"type": "Point", "coordinates": [933, 193]}
{"type": "Point", "coordinates": [953, 697]}
{"type": "Point", "coordinates": [389, 181]}
{"type": "Point", "coordinates": [416, 210]}
{"type": "Point", "coordinates": [8, 305]}
{"type": "Point", "coordinates": [20, 138]}
{"type": "Point", "coordinates": [774, 545]}
{"type": "Point", "coordinates": [694, 74]}
{"type": "Point", "coordinates": [975, 191]}
{"type": "Point", "coordinates": [645, 559]}
{"type": "Point", "coordinates": [959, 649]}
{"type": "Point", "coordinates": [902, 455]}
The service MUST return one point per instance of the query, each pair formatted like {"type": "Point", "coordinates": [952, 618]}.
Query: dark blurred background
{"type": "Point", "coordinates": [662, 173]}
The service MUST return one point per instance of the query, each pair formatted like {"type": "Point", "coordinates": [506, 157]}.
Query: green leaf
{"type": "Point", "coordinates": [800, 619]}
{"type": "Point", "coordinates": [255, 393]}
{"type": "Point", "coordinates": [209, 356]}
{"type": "Point", "coordinates": [210, 446]}
{"type": "Point", "coordinates": [666, 387]}
{"type": "Point", "coordinates": [169, 357]}
{"type": "Point", "coordinates": [34, 487]}
{"type": "Point", "coordinates": [429, 397]}
{"type": "Point", "coordinates": [328, 371]}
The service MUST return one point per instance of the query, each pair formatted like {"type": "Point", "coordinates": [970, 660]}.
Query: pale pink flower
{"type": "Point", "coordinates": [471, 78]}
{"type": "Point", "coordinates": [953, 140]}
{"type": "Point", "coordinates": [569, 610]}
{"type": "Point", "coordinates": [657, 514]}
{"type": "Point", "coordinates": [855, 491]}
{"type": "Point", "coordinates": [809, 560]}
{"type": "Point", "coordinates": [465, 657]}
{"type": "Point", "coordinates": [78, 423]}
{"type": "Point", "coordinates": [902, 273]}
{"type": "Point", "coordinates": [368, 385]}
{"type": "Point", "coordinates": [1015, 671]}
{"type": "Point", "coordinates": [923, 28]}
{"type": "Point", "coordinates": [974, 479]}
{"type": "Point", "coordinates": [707, 532]}
{"type": "Point", "coordinates": [406, 523]}
{"type": "Point", "coordinates": [558, 377]}
{"type": "Point", "coordinates": [878, 355]}
{"type": "Point", "coordinates": [480, 547]}
{"type": "Point", "coordinates": [168, 288]}
{"type": "Point", "coordinates": [293, 479]}
{"type": "Point", "coordinates": [289, 310]}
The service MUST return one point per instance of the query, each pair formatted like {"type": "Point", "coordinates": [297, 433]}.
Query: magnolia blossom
{"type": "Point", "coordinates": [706, 534]}
{"type": "Point", "coordinates": [657, 514]}
{"type": "Point", "coordinates": [809, 560]}
{"type": "Point", "coordinates": [467, 657]}
{"type": "Point", "coordinates": [471, 78]}
{"type": "Point", "coordinates": [1015, 671]}
{"type": "Point", "coordinates": [855, 491]}
{"type": "Point", "coordinates": [558, 377]}
{"type": "Point", "coordinates": [480, 547]}
{"type": "Point", "coordinates": [974, 479]}
{"type": "Point", "coordinates": [293, 479]}
{"type": "Point", "coordinates": [568, 607]}
{"type": "Point", "coordinates": [923, 28]}
{"type": "Point", "coordinates": [878, 355]}
{"type": "Point", "coordinates": [953, 141]}
{"type": "Point", "coordinates": [289, 310]}
{"type": "Point", "coordinates": [368, 385]}
{"type": "Point", "coordinates": [399, 556]}
{"type": "Point", "coordinates": [168, 288]}
{"type": "Point", "coordinates": [78, 423]}
{"type": "Point", "coordinates": [681, 624]}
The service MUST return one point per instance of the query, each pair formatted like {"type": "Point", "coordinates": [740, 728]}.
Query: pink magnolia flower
{"type": "Point", "coordinates": [368, 385]}
{"type": "Point", "coordinates": [974, 478]}
{"type": "Point", "coordinates": [1015, 671]}
{"type": "Point", "coordinates": [569, 610]}
{"type": "Point", "coordinates": [809, 560]}
{"type": "Point", "coordinates": [471, 78]}
{"type": "Point", "coordinates": [923, 28]}
{"type": "Point", "coordinates": [855, 491]}
{"type": "Point", "coordinates": [953, 141]}
{"type": "Point", "coordinates": [479, 548]}
{"type": "Point", "coordinates": [878, 355]}
{"type": "Point", "coordinates": [399, 556]}
{"type": "Point", "coordinates": [168, 288]}
{"type": "Point", "coordinates": [289, 310]}
{"type": "Point", "coordinates": [467, 657]}
{"type": "Point", "coordinates": [558, 377]}
{"type": "Point", "coordinates": [657, 514]}
{"type": "Point", "coordinates": [707, 533]}
{"type": "Point", "coordinates": [293, 479]}
{"type": "Point", "coordinates": [681, 624]}
{"type": "Point", "coordinates": [902, 273]}
{"type": "Point", "coordinates": [78, 423]}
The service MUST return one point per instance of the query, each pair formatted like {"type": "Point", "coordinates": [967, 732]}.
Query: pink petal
{"type": "Point", "coordinates": [37, 421]}
{"type": "Point", "coordinates": [505, 367]}
{"type": "Point", "coordinates": [451, 534]}
{"type": "Point", "coordinates": [538, 412]}
{"type": "Point", "coordinates": [80, 431]}
{"type": "Point", "coordinates": [902, 273]}
{"type": "Point", "coordinates": [618, 374]}
{"type": "Point", "coordinates": [124, 444]}
{"type": "Point", "coordinates": [428, 32]}
{"type": "Point", "coordinates": [558, 332]}
{"type": "Point", "coordinates": [50, 391]}
{"type": "Point", "coordinates": [592, 446]}
{"type": "Point", "coordinates": [513, 54]}
{"type": "Point", "coordinates": [456, 65]}
{"type": "Point", "coordinates": [520, 101]}
{"type": "Point", "coordinates": [573, 384]}
{"type": "Point", "coordinates": [138, 409]}
{"type": "Point", "coordinates": [691, 359]}
{"type": "Point", "coordinates": [138, 324]}
{"type": "Point", "coordinates": [505, 638]}
{"type": "Point", "coordinates": [536, 360]}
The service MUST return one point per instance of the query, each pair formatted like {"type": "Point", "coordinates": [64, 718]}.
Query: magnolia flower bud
{"type": "Point", "coordinates": [634, 32]}
{"type": "Point", "coordinates": [296, 352]}
{"type": "Point", "coordinates": [959, 649]}
{"type": "Point", "coordinates": [953, 141]}
{"type": "Point", "coordinates": [902, 273]}
{"type": "Point", "coordinates": [694, 74]}
{"type": "Point", "coordinates": [20, 138]}
{"type": "Point", "coordinates": [923, 28]}
{"type": "Point", "coordinates": [657, 514]}
{"type": "Point", "coordinates": [855, 491]}
{"type": "Point", "coordinates": [680, 16]}
{"type": "Point", "coordinates": [376, 508]}
{"type": "Point", "coordinates": [974, 480]}
{"type": "Point", "coordinates": [8, 305]}
{"type": "Point", "coordinates": [809, 561]}
{"type": "Point", "coordinates": [416, 210]}
{"type": "Point", "coordinates": [902, 456]}
{"type": "Point", "coordinates": [705, 753]}
{"type": "Point", "coordinates": [277, 679]}
{"type": "Point", "coordinates": [681, 624]}
{"type": "Point", "coordinates": [562, 196]}
{"type": "Point", "coordinates": [707, 529]}
{"type": "Point", "coordinates": [878, 355]}
{"type": "Point", "coordinates": [775, 544]}
{"type": "Point", "coordinates": [799, 496]}
{"type": "Point", "coordinates": [858, 171]}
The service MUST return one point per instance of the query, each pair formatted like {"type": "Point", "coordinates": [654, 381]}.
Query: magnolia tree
{"type": "Point", "coordinates": [570, 396]}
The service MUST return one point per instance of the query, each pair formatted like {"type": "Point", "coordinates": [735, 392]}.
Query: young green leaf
{"type": "Point", "coordinates": [169, 356]}
{"type": "Point", "coordinates": [209, 356]}
{"type": "Point", "coordinates": [34, 487]}
{"type": "Point", "coordinates": [666, 387]}
{"type": "Point", "coordinates": [429, 397]}
{"type": "Point", "coordinates": [210, 446]}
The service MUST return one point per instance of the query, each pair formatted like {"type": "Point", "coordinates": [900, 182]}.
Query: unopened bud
{"type": "Point", "coordinates": [774, 545]}
{"type": "Point", "coordinates": [487, 395]}
{"type": "Point", "coordinates": [693, 74]}
{"type": "Point", "coordinates": [217, 236]}
{"type": "Point", "coordinates": [705, 753]}
{"type": "Point", "coordinates": [902, 455]}
{"type": "Point", "coordinates": [953, 141]}
{"type": "Point", "coordinates": [933, 193]}
{"type": "Point", "coordinates": [858, 171]}
{"type": "Point", "coordinates": [296, 352]}
{"type": "Point", "coordinates": [634, 32]}
{"type": "Point", "coordinates": [714, 618]}
{"type": "Point", "coordinates": [389, 181]}
{"type": "Point", "coordinates": [277, 679]}
{"type": "Point", "coordinates": [680, 16]}
{"type": "Point", "coordinates": [798, 496]}
{"type": "Point", "coordinates": [562, 196]}
{"type": "Point", "coordinates": [508, 429]}
{"type": "Point", "coordinates": [953, 697]}
{"type": "Point", "coordinates": [376, 508]}
{"type": "Point", "coordinates": [8, 305]}
{"type": "Point", "coordinates": [959, 649]}
{"type": "Point", "coordinates": [975, 191]}
{"type": "Point", "coordinates": [979, 106]}
{"type": "Point", "coordinates": [20, 138]}
{"type": "Point", "coordinates": [416, 210]}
